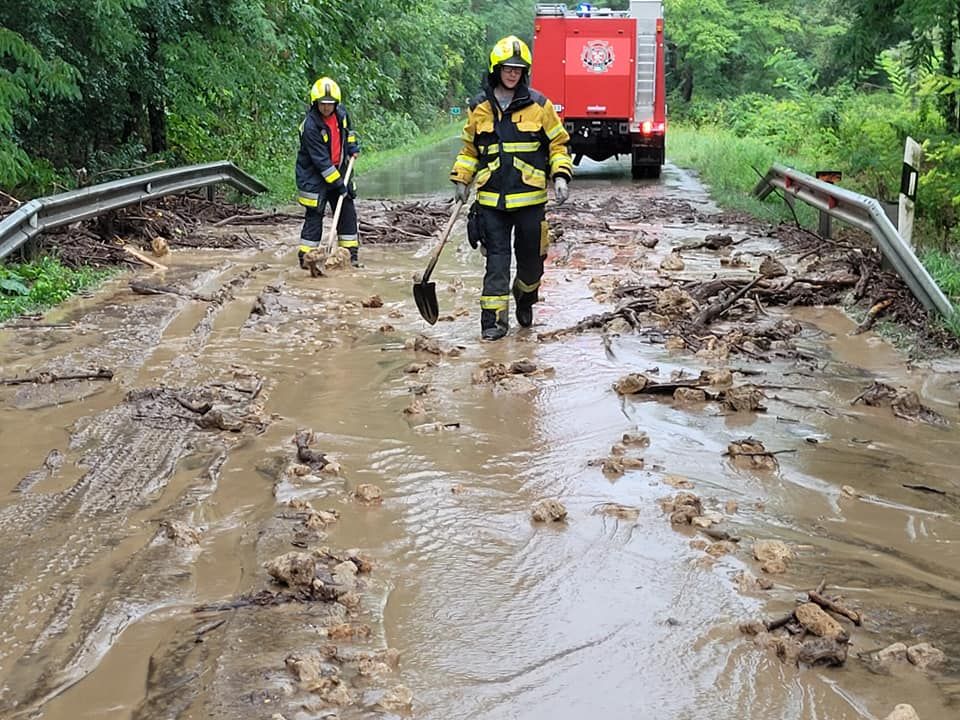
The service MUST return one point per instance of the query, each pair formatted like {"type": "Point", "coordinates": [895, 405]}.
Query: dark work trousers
{"type": "Point", "coordinates": [311, 234]}
{"type": "Point", "coordinates": [529, 230]}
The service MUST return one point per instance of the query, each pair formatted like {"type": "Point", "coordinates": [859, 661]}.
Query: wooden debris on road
{"type": "Point", "coordinates": [46, 378]}
{"type": "Point", "coordinates": [144, 259]}
{"type": "Point", "coordinates": [904, 403]}
{"type": "Point", "coordinates": [143, 288]}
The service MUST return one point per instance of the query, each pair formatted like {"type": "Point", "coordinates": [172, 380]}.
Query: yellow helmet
{"type": "Point", "coordinates": [510, 51]}
{"type": "Point", "coordinates": [325, 90]}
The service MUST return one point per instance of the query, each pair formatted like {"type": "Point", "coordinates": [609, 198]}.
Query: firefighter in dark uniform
{"type": "Point", "coordinates": [327, 141]}
{"type": "Point", "coordinates": [513, 143]}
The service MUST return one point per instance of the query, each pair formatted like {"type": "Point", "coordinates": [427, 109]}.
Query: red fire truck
{"type": "Point", "coordinates": [604, 71]}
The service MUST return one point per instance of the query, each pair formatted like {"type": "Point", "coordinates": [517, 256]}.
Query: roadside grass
{"type": "Point", "coordinates": [731, 167]}
{"type": "Point", "coordinates": [377, 159]}
{"type": "Point", "coordinates": [945, 269]}
{"type": "Point", "coordinates": [35, 286]}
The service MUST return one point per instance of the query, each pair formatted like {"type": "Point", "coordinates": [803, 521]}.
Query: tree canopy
{"type": "Point", "coordinates": [106, 84]}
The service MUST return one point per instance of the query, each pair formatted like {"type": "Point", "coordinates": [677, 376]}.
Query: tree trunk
{"type": "Point", "coordinates": [686, 82]}
{"type": "Point", "coordinates": [955, 39]}
{"type": "Point", "coordinates": [949, 37]}
{"type": "Point", "coordinates": [156, 113]}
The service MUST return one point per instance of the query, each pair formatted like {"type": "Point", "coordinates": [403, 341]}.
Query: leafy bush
{"type": "Point", "coordinates": [938, 194]}
{"type": "Point", "coordinates": [29, 287]}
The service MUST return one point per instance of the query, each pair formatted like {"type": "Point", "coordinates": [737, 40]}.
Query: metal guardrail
{"type": "Point", "coordinates": [36, 216]}
{"type": "Point", "coordinates": [867, 214]}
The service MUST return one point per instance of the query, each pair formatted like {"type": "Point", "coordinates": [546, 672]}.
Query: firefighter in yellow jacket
{"type": "Point", "coordinates": [513, 143]}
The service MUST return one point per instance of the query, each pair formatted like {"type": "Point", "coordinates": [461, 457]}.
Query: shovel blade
{"type": "Point", "coordinates": [425, 295]}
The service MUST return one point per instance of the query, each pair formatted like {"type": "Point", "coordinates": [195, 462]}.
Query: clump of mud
{"type": "Point", "coordinates": [773, 555]}
{"type": "Point", "coordinates": [548, 510]}
{"type": "Point", "coordinates": [180, 533]}
{"type": "Point", "coordinates": [904, 403]}
{"type": "Point", "coordinates": [750, 454]}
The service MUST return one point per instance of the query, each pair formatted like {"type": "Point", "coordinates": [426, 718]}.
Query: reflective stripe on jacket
{"type": "Point", "coordinates": [315, 169]}
{"type": "Point", "coordinates": [511, 154]}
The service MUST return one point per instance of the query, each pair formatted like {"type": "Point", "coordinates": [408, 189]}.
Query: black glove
{"type": "Point", "coordinates": [475, 226]}
{"type": "Point", "coordinates": [339, 188]}
{"type": "Point", "coordinates": [352, 190]}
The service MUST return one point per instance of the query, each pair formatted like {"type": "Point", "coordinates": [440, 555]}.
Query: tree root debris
{"type": "Point", "coordinates": [311, 458]}
{"type": "Point", "coordinates": [808, 635]}
{"type": "Point", "coordinates": [685, 310]}
{"type": "Point", "coordinates": [904, 403]}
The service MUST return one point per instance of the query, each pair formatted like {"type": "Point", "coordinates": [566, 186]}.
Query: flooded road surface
{"type": "Point", "coordinates": [419, 174]}
{"type": "Point", "coordinates": [137, 515]}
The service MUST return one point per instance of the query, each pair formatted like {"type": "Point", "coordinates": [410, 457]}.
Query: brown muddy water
{"type": "Point", "coordinates": [111, 610]}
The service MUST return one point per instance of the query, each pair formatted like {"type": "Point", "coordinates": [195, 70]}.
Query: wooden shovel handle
{"type": "Point", "coordinates": [443, 241]}
{"type": "Point", "coordinates": [331, 243]}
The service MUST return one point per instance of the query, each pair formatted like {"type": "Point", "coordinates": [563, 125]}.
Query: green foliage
{"type": "Point", "coordinates": [944, 266]}
{"type": "Point", "coordinates": [721, 48]}
{"type": "Point", "coordinates": [193, 80]}
{"type": "Point", "coordinates": [860, 135]}
{"type": "Point", "coordinates": [30, 287]}
{"type": "Point", "coordinates": [938, 194]}
{"type": "Point", "coordinates": [790, 73]}
{"type": "Point", "coordinates": [26, 77]}
{"type": "Point", "coordinates": [730, 166]}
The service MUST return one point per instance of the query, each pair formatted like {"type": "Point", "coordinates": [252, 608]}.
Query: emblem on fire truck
{"type": "Point", "coordinates": [597, 56]}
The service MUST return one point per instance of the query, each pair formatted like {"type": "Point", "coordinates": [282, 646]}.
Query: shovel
{"type": "Point", "coordinates": [424, 292]}
{"type": "Point", "coordinates": [331, 243]}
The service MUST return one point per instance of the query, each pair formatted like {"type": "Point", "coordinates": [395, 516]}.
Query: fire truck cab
{"type": "Point", "coordinates": [604, 71]}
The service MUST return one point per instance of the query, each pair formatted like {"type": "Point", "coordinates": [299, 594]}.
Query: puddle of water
{"type": "Point", "coordinates": [419, 174]}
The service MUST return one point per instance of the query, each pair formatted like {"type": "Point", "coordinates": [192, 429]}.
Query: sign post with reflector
{"type": "Point", "coordinates": [912, 155]}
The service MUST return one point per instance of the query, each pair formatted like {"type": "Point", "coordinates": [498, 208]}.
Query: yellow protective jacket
{"type": "Point", "coordinates": [511, 154]}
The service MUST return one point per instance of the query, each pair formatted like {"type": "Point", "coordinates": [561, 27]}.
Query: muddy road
{"type": "Point", "coordinates": [295, 499]}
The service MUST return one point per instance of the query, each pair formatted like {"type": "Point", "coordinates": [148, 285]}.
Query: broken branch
{"type": "Point", "coordinates": [828, 604]}
{"type": "Point", "coordinates": [144, 259]}
{"type": "Point", "coordinates": [47, 378]}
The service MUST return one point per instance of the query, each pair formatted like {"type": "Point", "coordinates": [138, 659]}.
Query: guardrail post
{"type": "Point", "coordinates": [833, 177]}
{"type": "Point", "coordinates": [826, 227]}
{"type": "Point", "coordinates": [211, 194]}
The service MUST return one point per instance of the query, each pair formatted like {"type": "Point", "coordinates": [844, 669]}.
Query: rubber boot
{"type": "Point", "coordinates": [524, 308]}
{"type": "Point", "coordinates": [300, 254]}
{"type": "Point", "coordinates": [355, 257]}
{"type": "Point", "coordinates": [493, 325]}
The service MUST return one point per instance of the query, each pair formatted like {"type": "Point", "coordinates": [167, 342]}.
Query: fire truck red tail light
{"type": "Point", "coordinates": [649, 127]}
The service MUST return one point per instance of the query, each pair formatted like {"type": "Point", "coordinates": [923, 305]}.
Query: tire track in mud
{"type": "Point", "coordinates": [129, 464]}
{"type": "Point", "coordinates": [55, 630]}
{"type": "Point", "coordinates": [129, 455]}
{"type": "Point", "coordinates": [260, 645]}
